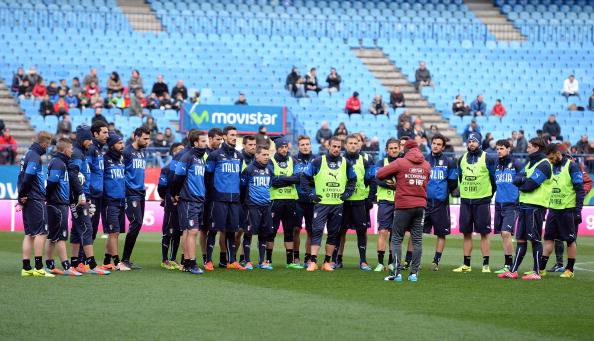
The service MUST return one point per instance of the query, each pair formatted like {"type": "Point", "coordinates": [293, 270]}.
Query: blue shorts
{"type": "Point", "coordinates": [385, 215]}
{"type": "Point", "coordinates": [329, 216]}
{"type": "Point", "coordinates": [560, 225]}
{"type": "Point", "coordinates": [190, 214]}
{"type": "Point", "coordinates": [225, 216]}
{"type": "Point", "coordinates": [115, 217]}
{"type": "Point", "coordinates": [506, 216]}
{"type": "Point", "coordinates": [475, 218]}
{"type": "Point", "coordinates": [304, 210]}
{"type": "Point", "coordinates": [354, 216]}
{"type": "Point", "coordinates": [207, 217]}
{"type": "Point", "coordinates": [283, 210]}
{"type": "Point", "coordinates": [437, 218]}
{"type": "Point", "coordinates": [170, 221]}
{"type": "Point", "coordinates": [35, 218]}
{"type": "Point", "coordinates": [82, 226]}
{"type": "Point", "coordinates": [135, 215]}
{"type": "Point", "coordinates": [57, 221]}
{"type": "Point", "coordinates": [530, 219]}
{"type": "Point", "coordinates": [244, 218]}
{"type": "Point", "coordinates": [259, 220]}
{"type": "Point", "coordinates": [98, 202]}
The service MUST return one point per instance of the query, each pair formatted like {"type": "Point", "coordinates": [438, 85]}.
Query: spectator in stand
{"type": "Point", "coordinates": [196, 98]}
{"type": "Point", "coordinates": [135, 82]}
{"type": "Point", "coordinates": [478, 107]}
{"type": "Point", "coordinates": [498, 109]}
{"type": "Point", "coordinates": [471, 128]}
{"type": "Point", "coordinates": [165, 101]}
{"type": "Point", "coordinates": [52, 91]}
{"type": "Point", "coordinates": [571, 87]}
{"type": "Point", "coordinates": [405, 117]}
{"type": "Point", "coordinates": [138, 103]}
{"type": "Point", "coordinates": [98, 116]}
{"type": "Point", "coordinates": [63, 86]}
{"type": "Point", "coordinates": [487, 141]}
{"type": "Point", "coordinates": [111, 127]}
{"type": "Point", "coordinates": [353, 105]}
{"type": "Point", "coordinates": [151, 125]}
{"type": "Point", "coordinates": [76, 88]}
{"type": "Point", "coordinates": [521, 146]}
{"type": "Point", "coordinates": [114, 83]}
{"type": "Point", "coordinates": [179, 88]}
{"type": "Point", "coordinates": [17, 80]}
{"type": "Point", "coordinates": [2, 126]}
{"type": "Point", "coordinates": [491, 148]}
{"type": "Point", "coordinates": [33, 76]}
{"type": "Point", "coordinates": [162, 149]}
{"type": "Point", "coordinates": [459, 108]}
{"type": "Point", "coordinates": [71, 100]}
{"type": "Point", "coordinates": [433, 130]}
{"type": "Point", "coordinates": [324, 133]}
{"type": "Point", "coordinates": [8, 148]}
{"type": "Point", "coordinates": [169, 135]}
{"type": "Point", "coordinates": [96, 101]}
{"type": "Point", "coordinates": [40, 90]}
{"type": "Point", "coordinates": [241, 100]}
{"type": "Point", "coordinates": [396, 98]}
{"type": "Point", "coordinates": [91, 90]}
{"type": "Point", "coordinates": [311, 81]}
{"type": "Point", "coordinates": [552, 128]}
{"type": "Point", "coordinates": [109, 101]}
{"type": "Point", "coordinates": [123, 102]}
{"type": "Point", "coordinates": [25, 90]}
{"type": "Point", "coordinates": [178, 102]}
{"type": "Point", "coordinates": [422, 76]}
{"type": "Point", "coordinates": [341, 130]}
{"type": "Point", "coordinates": [61, 107]}
{"type": "Point", "coordinates": [262, 138]}
{"type": "Point", "coordinates": [591, 102]}
{"type": "Point", "coordinates": [583, 146]}
{"type": "Point", "coordinates": [378, 106]}
{"type": "Point", "coordinates": [406, 130]}
{"type": "Point", "coordinates": [64, 127]}
{"type": "Point", "coordinates": [91, 78]}
{"type": "Point", "coordinates": [160, 87]}
{"type": "Point", "coordinates": [46, 107]}
{"type": "Point", "coordinates": [295, 83]}
{"type": "Point", "coordinates": [419, 130]}
{"type": "Point", "coordinates": [333, 79]}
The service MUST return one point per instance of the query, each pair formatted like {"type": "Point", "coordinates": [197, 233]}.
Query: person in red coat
{"type": "Point", "coordinates": [353, 104]}
{"type": "Point", "coordinates": [8, 148]}
{"type": "Point", "coordinates": [411, 175]}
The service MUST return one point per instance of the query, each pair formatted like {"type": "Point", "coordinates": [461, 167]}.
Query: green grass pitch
{"type": "Point", "coordinates": [348, 304]}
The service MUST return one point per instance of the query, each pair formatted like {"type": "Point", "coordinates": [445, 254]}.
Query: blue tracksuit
{"type": "Point", "coordinates": [114, 192]}
{"type": "Point", "coordinates": [79, 158]}
{"type": "Point", "coordinates": [58, 186]}
{"type": "Point", "coordinates": [505, 172]}
{"type": "Point", "coordinates": [95, 161]}
{"type": "Point", "coordinates": [188, 181]}
{"type": "Point", "coordinates": [443, 179]}
{"type": "Point", "coordinates": [256, 179]}
{"type": "Point", "coordinates": [135, 162]}
{"type": "Point", "coordinates": [300, 163]}
{"type": "Point", "coordinates": [223, 168]}
{"type": "Point", "coordinates": [31, 180]}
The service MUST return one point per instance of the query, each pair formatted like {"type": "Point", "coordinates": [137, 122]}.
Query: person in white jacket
{"type": "Point", "coordinates": [571, 87]}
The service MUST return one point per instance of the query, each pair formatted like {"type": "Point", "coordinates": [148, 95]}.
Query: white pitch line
{"type": "Point", "coordinates": [582, 269]}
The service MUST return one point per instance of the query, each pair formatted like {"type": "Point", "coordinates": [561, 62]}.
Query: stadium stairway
{"type": "Point", "coordinates": [11, 114]}
{"type": "Point", "coordinates": [497, 23]}
{"type": "Point", "coordinates": [140, 15]}
{"type": "Point", "coordinates": [385, 70]}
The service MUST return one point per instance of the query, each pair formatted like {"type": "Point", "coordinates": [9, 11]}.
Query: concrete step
{"type": "Point", "coordinates": [13, 118]}
{"type": "Point", "coordinates": [500, 21]}
{"type": "Point", "coordinates": [485, 13]}
{"type": "Point", "coordinates": [373, 61]}
{"type": "Point", "coordinates": [392, 82]}
{"type": "Point", "coordinates": [479, 6]}
{"type": "Point", "coordinates": [368, 53]}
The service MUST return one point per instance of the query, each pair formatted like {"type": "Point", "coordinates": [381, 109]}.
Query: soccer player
{"type": "Point", "coordinates": [328, 181]}
{"type": "Point", "coordinates": [223, 169]}
{"type": "Point", "coordinates": [31, 200]}
{"type": "Point", "coordinates": [442, 182]}
{"type": "Point", "coordinates": [535, 186]}
{"type": "Point", "coordinates": [95, 160]}
{"type": "Point", "coordinates": [385, 205]}
{"type": "Point", "coordinates": [114, 199]}
{"type": "Point", "coordinates": [476, 178]}
{"type": "Point", "coordinates": [58, 197]}
{"type": "Point", "coordinates": [305, 206]}
{"type": "Point", "coordinates": [255, 182]}
{"type": "Point", "coordinates": [135, 162]}
{"type": "Point", "coordinates": [248, 153]}
{"type": "Point", "coordinates": [188, 190]}
{"type": "Point", "coordinates": [356, 208]}
{"type": "Point", "coordinates": [565, 207]}
{"type": "Point", "coordinates": [171, 231]}
{"type": "Point", "coordinates": [284, 200]}
{"type": "Point", "coordinates": [506, 200]}
{"type": "Point", "coordinates": [412, 175]}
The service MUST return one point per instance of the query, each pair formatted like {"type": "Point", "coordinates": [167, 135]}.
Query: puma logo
{"type": "Point", "coordinates": [555, 180]}
{"type": "Point", "coordinates": [333, 175]}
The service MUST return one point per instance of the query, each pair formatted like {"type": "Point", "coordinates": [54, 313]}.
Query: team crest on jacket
{"type": "Point", "coordinates": [441, 162]}
{"type": "Point", "coordinates": [134, 204]}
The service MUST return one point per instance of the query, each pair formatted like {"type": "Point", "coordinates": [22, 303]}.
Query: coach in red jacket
{"type": "Point", "coordinates": [411, 176]}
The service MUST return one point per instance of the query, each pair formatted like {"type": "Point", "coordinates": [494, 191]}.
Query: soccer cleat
{"type": "Point", "coordinates": [528, 273]}
{"type": "Point", "coordinates": [391, 267]}
{"type": "Point", "coordinates": [42, 273]}
{"type": "Point", "coordinates": [196, 271]}
{"type": "Point", "coordinates": [379, 268]}
{"type": "Point", "coordinates": [55, 271]}
{"type": "Point", "coordinates": [328, 267]}
{"type": "Point", "coordinates": [132, 266]}
{"type": "Point", "coordinates": [395, 278]}
{"type": "Point", "coordinates": [165, 265]}
{"type": "Point", "coordinates": [173, 265]}
{"type": "Point", "coordinates": [294, 266]}
{"type": "Point", "coordinates": [543, 273]}
{"type": "Point", "coordinates": [249, 266]}
{"type": "Point", "coordinates": [265, 266]}
{"type": "Point", "coordinates": [567, 274]}
{"type": "Point", "coordinates": [413, 278]}
{"type": "Point", "coordinates": [209, 266]}
{"type": "Point", "coordinates": [508, 274]}
{"type": "Point", "coordinates": [122, 267]}
{"type": "Point", "coordinates": [223, 265]}
{"type": "Point", "coordinates": [463, 268]}
{"type": "Point", "coordinates": [557, 268]}
{"type": "Point", "coordinates": [434, 266]}
{"type": "Point", "coordinates": [235, 266]}
{"type": "Point", "coordinates": [486, 269]}
{"type": "Point", "coordinates": [26, 273]}
{"type": "Point", "coordinates": [364, 267]}
{"type": "Point", "coordinates": [82, 268]}
{"type": "Point", "coordinates": [98, 271]}
{"type": "Point", "coordinates": [312, 266]}
{"type": "Point", "coordinates": [71, 272]}
{"type": "Point", "coordinates": [406, 265]}
{"type": "Point", "coordinates": [501, 270]}
{"type": "Point", "coordinates": [335, 265]}
{"type": "Point", "coordinates": [108, 267]}
{"type": "Point", "coordinates": [532, 277]}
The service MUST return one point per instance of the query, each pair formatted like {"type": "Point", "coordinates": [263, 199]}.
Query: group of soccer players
{"type": "Point", "coordinates": [212, 188]}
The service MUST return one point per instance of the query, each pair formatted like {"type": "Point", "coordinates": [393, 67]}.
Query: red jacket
{"type": "Point", "coordinates": [8, 142]}
{"type": "Point", "coordinates": [39, 90]}
{"type": "Point", "coordinates": [498, 110]}
{"type": "Point", "coordinates": [353, 103]}
{"type": "Point", "coordinates": [412, 175]}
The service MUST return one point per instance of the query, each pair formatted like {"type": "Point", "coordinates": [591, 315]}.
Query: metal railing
{"type": "Point", "coordinates": [393, 28]}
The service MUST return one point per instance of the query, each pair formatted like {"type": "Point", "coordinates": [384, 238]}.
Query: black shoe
{"type": "Point", "coordinates": [132, 265]}
{"type": "Point", "coordinates": [406, 266]}
{"type": "Point", "coordinates": [222, 265]}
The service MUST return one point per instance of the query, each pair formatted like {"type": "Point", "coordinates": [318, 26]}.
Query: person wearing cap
{"type": "Point", "coordinates": [411, 174]}
{"type": "Point", "coordinates": [476, 179]}
{"type": "Point", "coordinates": [353, 105]}
{"type": "Point", "coordinates": [328, 181]}
{"type": "Point", "coordinates": [114, 200]}
{"type": "Point", "coordinates": [284, 199]}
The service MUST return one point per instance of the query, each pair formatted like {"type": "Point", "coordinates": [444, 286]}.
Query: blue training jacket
{"type": "Point", "coordinates": [444, 177]}
{"type": "Point", "coordinates": [79, 158]}
{"type": "Point", "coordinates": [505, 172]}
{"type": "Point", "coordinates": [114, 177]}
{"type": "Point", "coordinates": [256, 179]}
{"type": "Point", "coordinates": [188, 181]}
{"type": "Point", "coordinates": [223, 168]}
{"type": "Point", "coordinates": [135, 163]}
{"type": "Point", "coordinates": [95, 161]}
{"type": "Point", "coordinates": [31, 180]}
{"type": "Point", "coordinates": [58, 186]}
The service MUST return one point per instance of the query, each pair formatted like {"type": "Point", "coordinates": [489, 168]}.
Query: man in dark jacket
{"type": "Point", "coordinates": [552, 128]}
{"type": "Point", "coordinates": [422, 77]}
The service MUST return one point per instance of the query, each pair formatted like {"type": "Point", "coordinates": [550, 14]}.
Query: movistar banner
{"type": "Point", "coordinates": [246, 118]}
{"type": "Point", "coordinates": [8, 182]}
